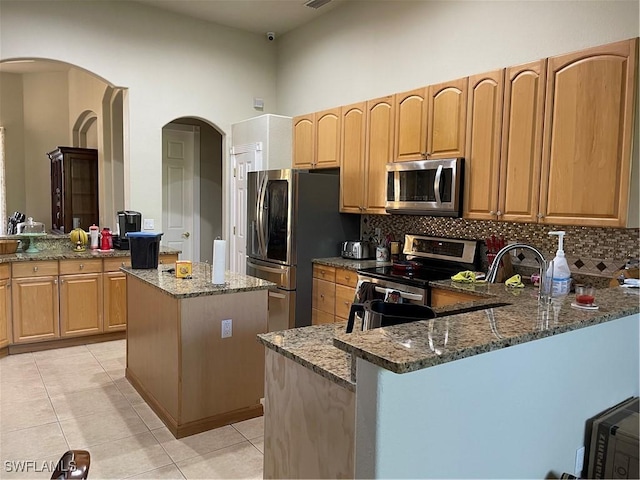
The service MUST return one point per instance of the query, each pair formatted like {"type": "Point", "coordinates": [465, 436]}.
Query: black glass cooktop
{"type": "Point", "coordinates": [418, 278]}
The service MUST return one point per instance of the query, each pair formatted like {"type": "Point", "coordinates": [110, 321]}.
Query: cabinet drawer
{"type": "Point", "coordinates": [113, 264]}
{"type": "Point", "coordinates": [5, 271]}
{"type": "Point", "coordinates": [80, 266]}
{"type": "Point", "coordinates": [324, 295]}
{"type": "Point", "coordinates": [344, 299]}
{"type": "Point", "coordinates": [167, 259]}
{"type": "Point", "coordinates": [346, 277]}
{"type": "Point", "coordinates": [34, 269]}
{"type": "Point", "coordinates": [324, 272]}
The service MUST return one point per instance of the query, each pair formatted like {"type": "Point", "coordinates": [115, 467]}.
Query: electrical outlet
{"type": "Point", "coordinates": [147, 224]}
{"type": "Point", "coordinates": [227, 329]}
{"type": "Point", "coordinates": [577, 471]}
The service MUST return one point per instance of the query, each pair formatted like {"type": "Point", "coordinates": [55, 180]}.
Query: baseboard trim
{"type": "Point", "coordinates": [196, 426]}
{"type": "Point", "coordinates": [65, 342]}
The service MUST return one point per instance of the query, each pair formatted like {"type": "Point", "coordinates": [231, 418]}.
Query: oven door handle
{"type": "Point", "coordinates": [408, 296]}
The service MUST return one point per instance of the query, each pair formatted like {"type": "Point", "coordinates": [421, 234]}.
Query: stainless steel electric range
{"type": "Point", "coordinates": [427, 259]}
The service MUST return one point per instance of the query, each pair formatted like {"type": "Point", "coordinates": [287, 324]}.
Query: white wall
{"type": "Point", "coordinates": [46, 126]}
{"type": "Point", "coordinates": [11, 117]}
{"type": "Point", "coordinates": [368, 49]}
{"type": "Point", "coordinates": [517, 412]}
{"type": "Point", "coordinates": [172, 66]}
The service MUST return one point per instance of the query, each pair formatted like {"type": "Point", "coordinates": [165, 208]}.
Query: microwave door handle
{"type": "Point", "coordinates": [436, 184]}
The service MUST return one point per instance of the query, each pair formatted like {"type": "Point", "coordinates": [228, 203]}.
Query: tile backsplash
{"type": "Point", "coordinates": [589, 250]}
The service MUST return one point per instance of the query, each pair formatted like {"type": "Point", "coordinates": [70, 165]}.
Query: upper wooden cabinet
{"type": "Point", "coordinates": [521, 151]}
{"type": "Point", "coordinates": [367, 147]}
{"type": "Point", "coordinates": [446, 119]}
{"type": "Point", "coordinates": [482, 165]}
{"type": "Point", "coordinates": [410, 142]}
{"type": "Point", "coordinates": [316, 139]}
{"type": "Point", "coordinates": [303, 141]}
{"type": "Point", "coordinates": [586, 160]}
{"type": "Point", "coordinates": [430, 122]}
{"type": "Point", "coordinates": [352, 158]}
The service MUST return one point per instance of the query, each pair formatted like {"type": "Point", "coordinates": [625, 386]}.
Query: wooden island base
{"type": "Point", "coordinates": [191, 377]}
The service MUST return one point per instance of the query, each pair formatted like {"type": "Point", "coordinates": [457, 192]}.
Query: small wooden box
{"type": "Point", "coordinates": [183, 268]}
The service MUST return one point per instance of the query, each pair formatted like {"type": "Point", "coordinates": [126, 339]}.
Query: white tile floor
{"type": "Point", "coordinates": [78, 398]}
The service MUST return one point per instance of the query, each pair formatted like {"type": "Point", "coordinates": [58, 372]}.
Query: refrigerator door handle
{"type": "Point", "coordinates": [261, 227]}
{"type": "Point", "coordinates": [263, 268]}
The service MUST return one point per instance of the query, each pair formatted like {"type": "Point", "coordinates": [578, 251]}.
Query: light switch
{"type": "Point", "coordinates": [147, 224]}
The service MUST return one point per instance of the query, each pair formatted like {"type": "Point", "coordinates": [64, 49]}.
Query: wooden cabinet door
{"type": "Point", "coordinates": [447, 119]}
{"type": "Point", "coordinates": [115, 301]}
{"type": "Point", "coordinates": [441, 297]}
{"type": "Point", "coordinates": [5, 312]}
{"type": "Point", "coordinates": [482, 163]}
{"type": "Point", "coordinates": [352, 158]}
{"type": "Point", "coordinates": [379, 152]}
{"type": "Point", "coordinates": [410, 142]}
{"type": "Point", "coordinates": [324, 295]}
{"type": "Point", "coordinates": [328, 138]}
{"type": "Point", "coordinates": [303, 141]}
{"type": "Point", "coordinates": [35, 308]}
{"type": "Point", "coordinates": [344, 300]}
{"type": "Point", "coordinates": [81, 304]}
{"type": "Point", "coordinates": [521, 149]}
{"type": "Point", "coordinates": [588, 136]}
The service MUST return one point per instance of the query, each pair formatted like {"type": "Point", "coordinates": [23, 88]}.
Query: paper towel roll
{"type": "Point", "coordinates": [219, 262]}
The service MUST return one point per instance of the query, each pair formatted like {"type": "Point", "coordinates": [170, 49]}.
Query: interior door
{"type": "Point", "coordinates": [246, 158]}
{"type": "Point", "coordinates": [178, 160]}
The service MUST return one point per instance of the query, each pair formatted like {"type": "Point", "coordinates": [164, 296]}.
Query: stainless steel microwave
{"type": "Point", "coordinates": [425, 187]}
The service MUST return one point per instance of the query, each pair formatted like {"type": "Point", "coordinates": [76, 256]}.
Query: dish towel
{"type": "Point", "coordinates": [515, 282]}
{"type": "Point", "coordinates": [464, 277]}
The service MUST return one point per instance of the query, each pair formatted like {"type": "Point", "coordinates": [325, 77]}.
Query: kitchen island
{"type": "Point", "coordinates": [496, 392]}
{"type": "Point", "coordinates": [195, 374]}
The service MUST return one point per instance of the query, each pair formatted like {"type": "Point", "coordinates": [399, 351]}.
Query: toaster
{"type": "Point", "coordinates": [357, 250]}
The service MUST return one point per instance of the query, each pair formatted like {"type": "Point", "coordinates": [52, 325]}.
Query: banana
{"type": "Point", "coordinates": [79, 235]}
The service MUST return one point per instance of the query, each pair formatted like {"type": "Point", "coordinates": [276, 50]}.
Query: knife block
{"type": "Point", "coordinates": [506, 268]}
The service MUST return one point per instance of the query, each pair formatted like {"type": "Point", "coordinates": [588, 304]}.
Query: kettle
{"type": "Point", "coordinates": [377, 313]}
{"type": "Point", "coordinates": [106, 242]}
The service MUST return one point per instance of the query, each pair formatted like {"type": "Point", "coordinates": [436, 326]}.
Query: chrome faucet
{"type": "Point", "coordinates": [493, 269]}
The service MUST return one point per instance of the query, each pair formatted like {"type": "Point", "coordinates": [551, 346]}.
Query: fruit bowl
{"type": "Point", "coordinates": [8, 246]}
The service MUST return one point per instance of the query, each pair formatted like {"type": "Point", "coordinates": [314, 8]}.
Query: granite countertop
{"type": "Point", "coordinates": [451, 336]}
{"type": "Point", "coordinates": [348, 263]}
{"type": "Point", "coordinates": [71, 255]}
{"type": "Point", "coordinates": [200, 282]}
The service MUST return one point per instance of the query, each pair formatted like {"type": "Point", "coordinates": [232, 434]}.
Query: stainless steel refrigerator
{"type": "Point", "coordinates": [292, 217]}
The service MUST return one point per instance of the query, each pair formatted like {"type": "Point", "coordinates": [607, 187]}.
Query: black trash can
{"type": "Point", "coordinates": [145, 247]}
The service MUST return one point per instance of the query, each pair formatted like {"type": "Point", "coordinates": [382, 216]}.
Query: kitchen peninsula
{"type": "Point", "coordinates": [496, 392]}
{"type": "Point", "coordinates": [195, 373]}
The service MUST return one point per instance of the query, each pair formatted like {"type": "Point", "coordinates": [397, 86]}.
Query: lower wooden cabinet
{"type": "Point", "coordinates": [34, 300]}
{"type": "Point", "coordinates": [5, 305]}
{"type": "Point", "coordinates": [46, 300]}
{"type": "Point", "coordinates": [333, 293]}
{"type": "Point", "coordinates": [441, 297]}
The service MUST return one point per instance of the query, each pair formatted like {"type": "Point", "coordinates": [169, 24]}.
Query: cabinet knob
{"type": "Point", "coordinates": [499, 213]}
{"type": "Point", "coordinates": [492, 212]}
{"type": "Point", "coordinates": [35, 269]}
{"type": "Point", "coordinates": [346, 303]}
{"type": "Point", "coordinates": [347, 277]}
{"type": "Point", "coordinates": [540, 215]}
{"type": "Point", "coordinates": [322, 295]}
{"type": "Point", "coordinates": [122, 264]}
{"type": "Point", "coordinates": [81, 266]}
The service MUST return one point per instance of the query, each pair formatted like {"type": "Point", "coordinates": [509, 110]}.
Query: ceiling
{"type": "Point", "coordinates": [257, 16]}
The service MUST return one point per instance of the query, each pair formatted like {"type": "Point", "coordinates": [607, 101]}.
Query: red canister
{"type": "Point", "coordinates": [107, 239]}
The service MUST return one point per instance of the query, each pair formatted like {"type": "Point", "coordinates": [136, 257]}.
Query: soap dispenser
{"type": "Point", "coordinates": [559, 273]}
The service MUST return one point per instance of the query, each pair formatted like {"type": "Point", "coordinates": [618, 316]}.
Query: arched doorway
{"type": "Point", "coordinates": [192, 187]}
{"type": "Point", "coordinates": [62, 105]}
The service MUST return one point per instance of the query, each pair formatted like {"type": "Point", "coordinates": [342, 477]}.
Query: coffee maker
{"type": "Point", "coordinates": [128, 221]}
